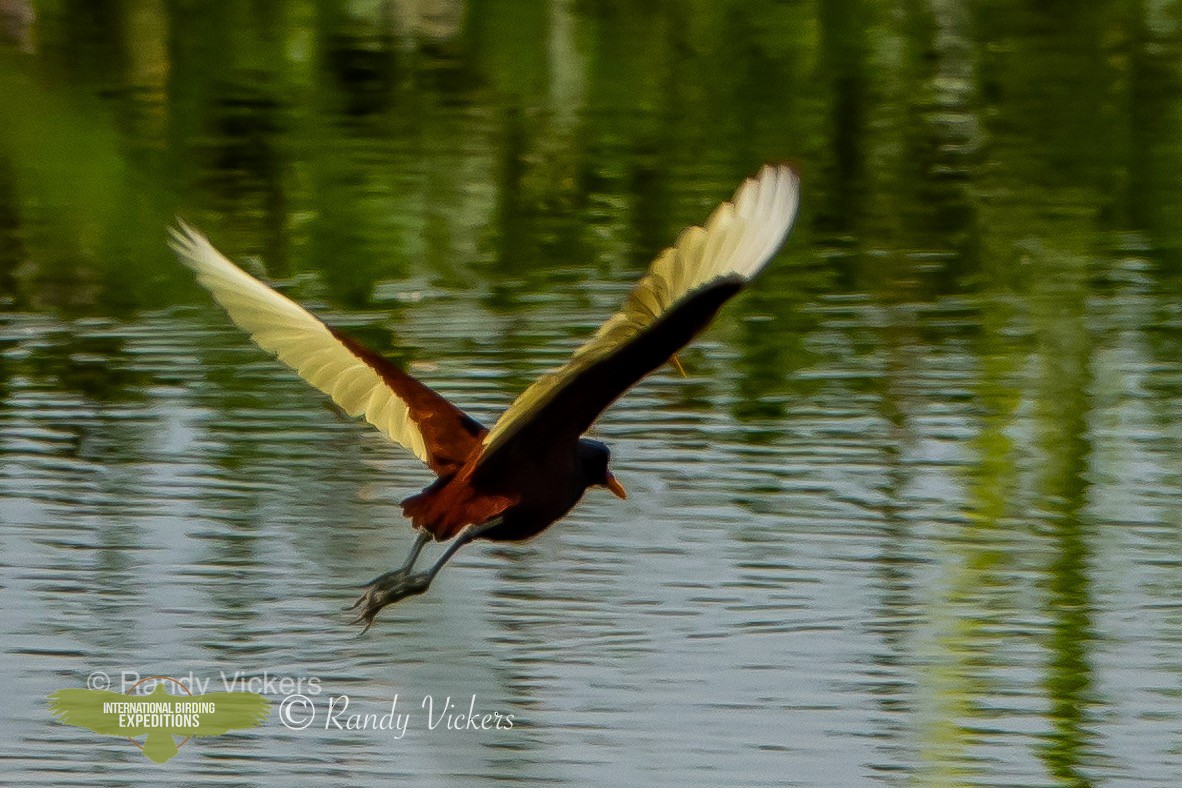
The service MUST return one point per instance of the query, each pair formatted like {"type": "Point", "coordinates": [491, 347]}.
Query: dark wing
{"type": "Point", "coordinates": [358, 379]}
{"type": "Point", "coordinates": [678, 297]}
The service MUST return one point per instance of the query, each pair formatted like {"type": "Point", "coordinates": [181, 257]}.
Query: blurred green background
{"type": "Point", "coordinates": [450, 139]}
{"type": "Point", "coordinates": [926, 472]}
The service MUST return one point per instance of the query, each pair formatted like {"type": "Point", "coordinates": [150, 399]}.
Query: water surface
{"type": "Point", "coordinates": [912, 518]}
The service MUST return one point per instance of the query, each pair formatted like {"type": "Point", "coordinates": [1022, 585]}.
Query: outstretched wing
{"type": "Point", "coordinates": [358, 379]}
{"type": "Point", "coordinates": [678, 297]}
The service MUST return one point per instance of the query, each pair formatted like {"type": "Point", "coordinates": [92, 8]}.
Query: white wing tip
{"type": "Point", "coordinates": [768, 201]}
{"type": "Point", "coordinates": [783, 179]}
{"type": "Point", "coordinates": [780, 170]}
{"type": "Point", "coordinates": [187, 242]}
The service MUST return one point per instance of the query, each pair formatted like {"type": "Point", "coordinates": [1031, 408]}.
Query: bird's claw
{"type": "Point", "coordinates": [385, 590]}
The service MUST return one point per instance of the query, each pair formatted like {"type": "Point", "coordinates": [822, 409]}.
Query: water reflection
{"type": "Point", "coordinates": [911, 518]}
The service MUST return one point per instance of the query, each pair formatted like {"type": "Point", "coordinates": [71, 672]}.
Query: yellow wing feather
{"type": "Point", "coordinates": [738, 239]}
{"type": "Point", "coordinates": [280, 326]}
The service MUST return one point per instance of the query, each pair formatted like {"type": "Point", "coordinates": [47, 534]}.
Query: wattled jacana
{"type": "Point", "coordinates": [515, 480]}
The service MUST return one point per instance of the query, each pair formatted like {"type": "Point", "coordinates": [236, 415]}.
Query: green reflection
{"type": "Point", "coordinates": [992, 198]}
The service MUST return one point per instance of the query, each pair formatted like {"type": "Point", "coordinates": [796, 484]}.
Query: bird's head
{"type": "Point", "coordinates": [593, 461]}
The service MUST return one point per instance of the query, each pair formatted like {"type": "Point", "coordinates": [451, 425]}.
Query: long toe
{"type": "Point", "coordinates": [387, 580]}
{"type": "Point", "coordinates": [386, 590]}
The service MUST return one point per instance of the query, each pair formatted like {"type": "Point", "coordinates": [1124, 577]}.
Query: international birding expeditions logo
{"type": "Point", "coordinates": [168, 711]}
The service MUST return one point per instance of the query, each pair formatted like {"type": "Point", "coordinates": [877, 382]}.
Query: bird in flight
{"type": "Point", "coordinates": [513, 481]}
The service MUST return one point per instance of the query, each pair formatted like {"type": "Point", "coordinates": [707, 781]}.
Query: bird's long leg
{"type": "Point", "coordinates": [420, 541]}
{"type": "Point", "coordinates": [393, 586]}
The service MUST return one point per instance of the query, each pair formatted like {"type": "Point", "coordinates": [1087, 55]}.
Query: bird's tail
{"type": "Point", "coordinates": [443, 510]}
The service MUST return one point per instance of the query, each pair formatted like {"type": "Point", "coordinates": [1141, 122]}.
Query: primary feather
{"type": "Point", "coordinates": [738, 240]}
{"type": "Point", "coordinates": [299, 339]}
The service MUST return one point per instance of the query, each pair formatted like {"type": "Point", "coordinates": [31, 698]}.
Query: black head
{"type": "Point", "coordinates": [594, 457]}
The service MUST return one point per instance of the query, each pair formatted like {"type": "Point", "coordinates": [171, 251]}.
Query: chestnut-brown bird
{"type": "Point", "coordinates": [515, 480]}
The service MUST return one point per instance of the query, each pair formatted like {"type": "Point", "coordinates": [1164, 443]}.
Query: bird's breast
{"type": "Point", "coordinates": [537, 507]}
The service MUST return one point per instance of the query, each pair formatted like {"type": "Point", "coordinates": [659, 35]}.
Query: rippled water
{"type": "Point", "coordinates": [912, 517]}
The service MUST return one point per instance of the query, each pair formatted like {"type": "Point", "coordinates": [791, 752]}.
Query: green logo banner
{"type": "Point", "coordinates": [159, 715]}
